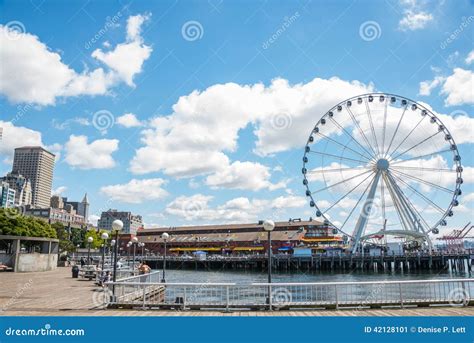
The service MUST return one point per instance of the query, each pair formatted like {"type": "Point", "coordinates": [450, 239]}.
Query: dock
{"type": "Point", "coordinates": [56, 293]}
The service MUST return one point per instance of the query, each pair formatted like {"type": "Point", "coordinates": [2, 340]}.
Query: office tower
{"type": "Point", "coordinates": [36, 164]}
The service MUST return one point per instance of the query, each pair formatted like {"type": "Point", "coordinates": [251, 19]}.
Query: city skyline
{"type": "Point", "coordinates": [157, 110]}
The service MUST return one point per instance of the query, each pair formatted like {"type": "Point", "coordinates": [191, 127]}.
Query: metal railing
{"type": "Point", "coordinates": [150, 293]}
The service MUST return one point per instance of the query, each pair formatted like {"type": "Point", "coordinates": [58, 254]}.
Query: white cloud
{"type": "Point", "coordinates": [127, 58]}
{"type": "Point", "coordinates": [243, 175]}
{"type": "Point", "coordinates": [31, 72]}
{"type": "Point", "coordinates": [136, 191]}
{"type": "Point", "coordinates": [414, 20]}
{"type": "Point", "coordinates": [414, 17]}
{"type": "Point", "coordinates": [470, 57]}
{"type": "Point", "coordinates": [93, 219]}
{"type": "Point", "coordinates": [290, 201]}
{"type": "Point", "coordinates": [128, 120]}
{"type": "Point", "coordinates": [96, 155]}
{"type": "Point", "coordinates": [197, 208]}
{"type": "Point", "coordinates": [459, 88]}
{"type": "Point", "coordinates": [204, 125]}
{"type": "Point", "coordinates": [16, 136]}
{"type": "Point", "coordinates": [427, 86]}
{"type": "Point", "coordinates": [58, 191]}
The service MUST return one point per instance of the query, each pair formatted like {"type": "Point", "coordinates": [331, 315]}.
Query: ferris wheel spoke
{"type": "Point", "coordinates": [347, 194]}
{"type": "Point", "coordinates": [336, 157]}
{"type": "Point", "coordinates": [345, 146]}
{"type": "Point", "coordinates": [360, 129]}
{"type": "Point", "coordinates": [331, 170]}
{"type": "Point", "coordinates": [371, 123]}
{"type": "Point", "coordinates": [351, 137]}
{"type": "Point", "coordinates": [341, 182]}
{"type": "Point", "coordinates": [428, 183]}
{"type": "Point", "coordinates": [355, 206]}
{"type": "Point", "coordinates": [406, 137]}
{"type": "Point", "coordinates": [407, 209]}
{"type": "Point", "coordinates": [396, 130]}
{"type": "Point", "coordinates": [384, 126]}
{"type": "Point", "coordinates": [421, 195]}
{"type": "Point", "coordinates": [395, 203]}
{"type": "Point", "coordinates": [382, 197]}
{"type": "Point", "coordinates": [445, 170]}
{"type": "Point", "coordinates": [416, 145]}
{"type": "Point", "coordinates": [416, 214]}
{"type": "Point", "coordinates": [419, 157]}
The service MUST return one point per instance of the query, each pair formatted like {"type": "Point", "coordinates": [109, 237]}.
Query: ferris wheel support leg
{"type": "Point", "coordinates": [364, 216]}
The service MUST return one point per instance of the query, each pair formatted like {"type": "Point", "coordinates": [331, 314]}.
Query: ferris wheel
{"type": "Point", "coordinates": [381, 165]}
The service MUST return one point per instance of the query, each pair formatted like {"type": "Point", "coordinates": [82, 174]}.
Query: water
{"type": "Point", "coordinates": [246, 277]}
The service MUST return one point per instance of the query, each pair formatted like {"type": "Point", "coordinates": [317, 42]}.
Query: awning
{"type": "Point", "coordinates": [335, 239]}
{"type": "Point", "coordinates": [248, 248]}
{"type": "Point", "coordinates": [196, 249]}
{"type": "Point", "coordinates": [285, 248]}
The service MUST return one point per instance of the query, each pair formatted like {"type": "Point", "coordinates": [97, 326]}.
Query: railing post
{"type": "Point", "coordinates": [184, 298]}
{"type": "Point", "coordinates": [337, 301]}
{"type": "Point", "coordinates": [401, 294]}
{"type": "Point", "coordinates": [227, 298]}
{"type": "Point", "coordinates": [144, 296]}
{"type": "Point", "coordinates": [270, 306]}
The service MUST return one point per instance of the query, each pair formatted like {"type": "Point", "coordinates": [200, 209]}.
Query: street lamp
{"type": "Point", "coordinates": [112, 245]}
{"type": "Point", "coordinates": [104, 237]}
{"type": "Point", "coordinates": [117, 226]}
{"type": "Point", "coordinates": [129, 244]}
{"type": "Point", "coordinates": [89, 240]}
{"type": "Point", "coordinates": [134, 243]}
{"type": "Point", "coordinates": [269, 225]}
{"type": "Point", "coordinates": [165, 237]}
{"type": "Point", "coordinates": [142, 245]}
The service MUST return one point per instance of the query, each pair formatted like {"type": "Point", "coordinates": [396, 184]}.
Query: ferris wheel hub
{"type": "Point", "coordinates": [382, 164]}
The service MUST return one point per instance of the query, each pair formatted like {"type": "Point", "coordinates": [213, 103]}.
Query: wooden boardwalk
{"type": "Point", "coordinates": [56, 293]}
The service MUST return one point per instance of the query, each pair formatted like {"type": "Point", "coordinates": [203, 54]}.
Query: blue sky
{"type": "Point", "coordinates": [198, 111]}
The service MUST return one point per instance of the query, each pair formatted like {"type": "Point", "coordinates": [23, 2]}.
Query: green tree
{"type": "Point", "coordinates": [96, 235]}
{"type": "Point", "coordinates": [62, 233]}
{"type": "Point", "coordinates": [12, 222]}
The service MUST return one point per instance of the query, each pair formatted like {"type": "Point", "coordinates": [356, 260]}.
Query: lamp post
{"type": "Point", "coordinates": [89, 240]}
{"type": "Point", "coordinates": [142, 245]}
{"type": "Point", "coordinates": [129, 244]}
{"type": "Point", "coordinates": [134, 243]}
{"type": "Point", "coordinates": [165, 237]}
{"type": "Point", "coordinates": [117, 225]}
{"type": "Point", "coordinates": [111, 250]}
{"type": "Point", "coordinates": [104, 237]}
{"type": "Point", "coordinates": [269, 225]}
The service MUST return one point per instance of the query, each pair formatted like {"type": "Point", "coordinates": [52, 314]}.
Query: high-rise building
{"type": "Point", "coordinates": [36, 164]}
{"type": "Point", "coordinates": [131, 222]}
{"type": "Point", "coordinates": [22, 187]}
{"type": "Point", "coordinates": [7, 195]}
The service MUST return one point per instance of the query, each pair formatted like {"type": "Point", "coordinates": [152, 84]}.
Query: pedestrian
{"type": "Point", "coordinates": [83, 262]}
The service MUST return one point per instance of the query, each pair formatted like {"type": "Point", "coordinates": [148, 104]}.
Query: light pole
{"type": "Point", "coordinates": [89, 240]}
{"type": "Point", "coordinates": [129, 244]}
{"type": "Point", "coordinates": [269, 225]}
{"type": "Point", "coordinates": [165, 237]}
{"type": "Point", "coordinates": [104, 237]}
{"type": "Point", "coordinates": [112, 249]}
{"type": "Point", "coordinates": [134, 243]}
{"type": "Point", "coordinates": [142, 245]}
{"type": "Point", "coordinates": [117, 225]}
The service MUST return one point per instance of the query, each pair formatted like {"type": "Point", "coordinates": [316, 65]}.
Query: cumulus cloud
{"type": "Point", "coordinates": [470, 57]}
{"type": "Point", "coordinates": [128, 120]}
{"type": "Point", "coordinates": [136, 191]}
{"type": "Point", "coordinates": [59, 191]}
{"type": "Point", "coordinates": [17, 136]}
{"type": "Point", "coordinates": [458, 88]}
{"type": "Point", "coordinates": [94, 155]}
{"type": "Point", "coordinates": [243, 175]}
{"type": "Point", "coordinates": [194, 139]}
{"type": "Point", "coordinates": [414, 18]}
{"type": "Point", "coordinates": [33, 73]}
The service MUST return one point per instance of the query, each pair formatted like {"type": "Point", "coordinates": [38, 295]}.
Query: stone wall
{"type": "Point", "coordinates": [36, 262]}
